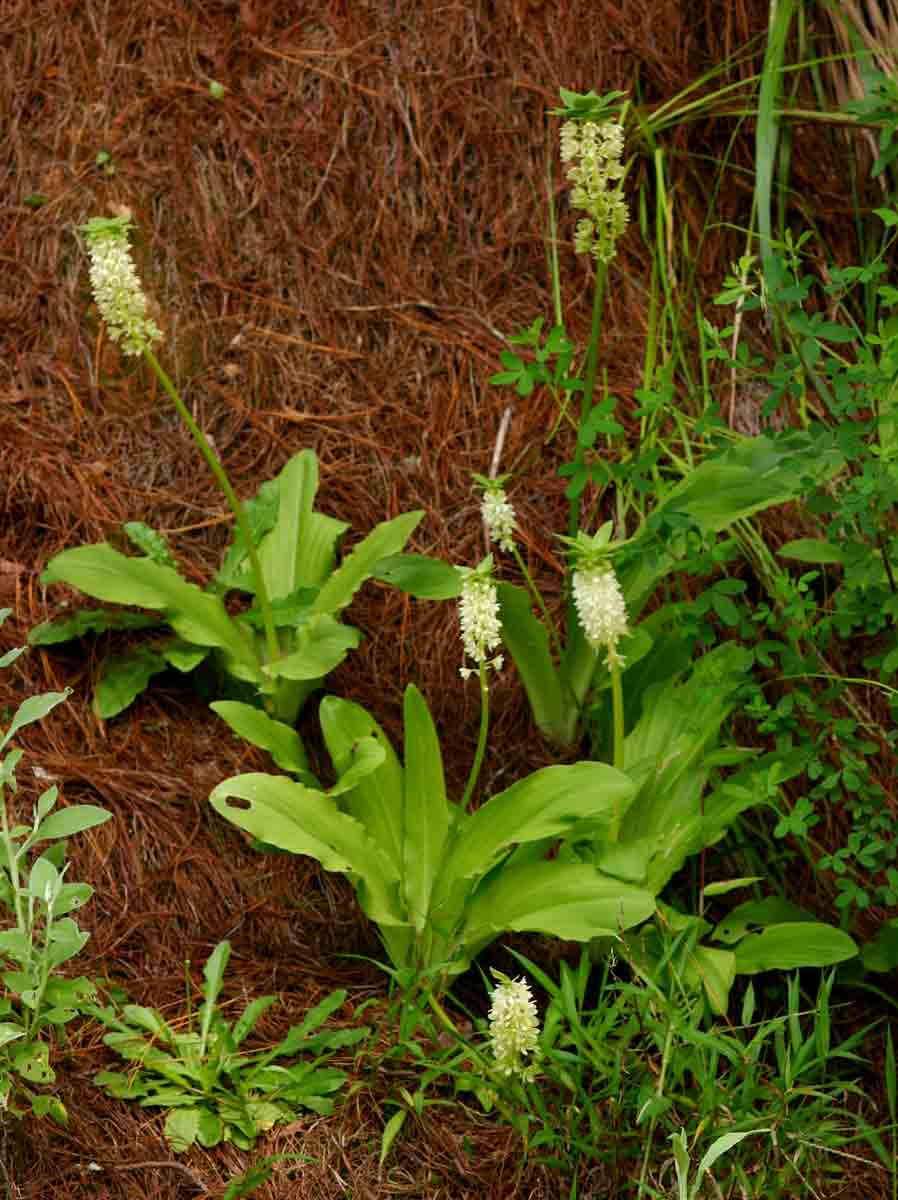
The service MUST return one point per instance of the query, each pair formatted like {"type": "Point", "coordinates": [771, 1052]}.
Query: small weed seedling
{"type": "Point", "coordinates": [215, 1092]}
{"type": "Point", "coordinates": [44, 936]}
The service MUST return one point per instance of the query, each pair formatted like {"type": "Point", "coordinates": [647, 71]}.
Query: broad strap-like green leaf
{"type": "Point", "coordinates": [298, 819]}
{"type": "Point", "coordinates": [420, 576]}
{"type": "Point", "coordinates": [753, 474]}
{"type": "Point", "coordinates": [545, 804]}
{"type": "Point", "coordinates": [377, 800]}
{"type": "Point", "coordinates": [300, 550]}
{"type": "Point", "coordinates": [319, 646]}
{"type": "Point", "coordinates": [195, 615]}
{"type": "Point", "coordinates": [281, 741]}
{"type": "Point", "coordinates": [385, 539]}
{"type": "Point", "coordinates": [213, 976]}
{"type": "Point", "coordinates": [281, 548]}
{"type": "Point", "coordinates": [527, 642]}
{"type": "Point", "coordinates": [793, 944]}
{"type": "Point", "coordinates": [566, 900]}
{"type": "Point", "coordinates": [427, 815]}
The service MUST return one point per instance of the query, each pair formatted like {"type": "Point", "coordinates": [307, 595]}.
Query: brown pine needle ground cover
{"type": "Point", "coordinates": [334, 247]}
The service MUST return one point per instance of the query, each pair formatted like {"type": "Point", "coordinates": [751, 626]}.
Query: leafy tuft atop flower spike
{"type": "Point", "coordinates": [116, 286]}
{"type": "Point", "coordinates": [478, 611]}
{"type": "Point", "coordinates": [514, 1027]}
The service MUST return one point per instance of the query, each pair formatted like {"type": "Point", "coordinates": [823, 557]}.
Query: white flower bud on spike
{"type": "Point", "coordinates": [514, 1027]}
{"type": "Point", "coordinates": [116, 287]}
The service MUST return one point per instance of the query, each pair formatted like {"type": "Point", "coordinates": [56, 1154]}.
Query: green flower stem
{"type": "Point", "coordinates": [592, 367]}
{"type": "Point", "coordinates": [617, 704]}
{"type": "Point", "coordinates": [617, 701]}
{"type": "Point", "coordinates": [540, 603]}
{"type": "Point", "coordinates": [271, 639]}
{"type": "Point", "coordinates": [481, 739]}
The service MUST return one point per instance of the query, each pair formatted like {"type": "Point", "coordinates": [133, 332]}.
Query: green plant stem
{"type": "Point", "coordinates": [221, 478]}
{"type": "Point", "coordinates": [481, 737]}
{"type": "Point", "coordinates": [592, 366]}
{"type": "Point", "coordinates": [540, 603]}
{"type": "Point", "coordinates": [12, 866]}
{"type": "Point", "coordinates": [617, 704]}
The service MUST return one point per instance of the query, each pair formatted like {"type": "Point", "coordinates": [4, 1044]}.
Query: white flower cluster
{"type": "Point", "coordinates": [595, 151]}
{"type": "Point", "coordinates": [514, 1027]}
{"type": "Point", "coordinates": [601, 608]}
{"type": "Point", "coordinates": [481, 626]}
{"type": "Point", "coordinates": [116, 287]}
{"type": "Point", "coordinates": [499, 518]}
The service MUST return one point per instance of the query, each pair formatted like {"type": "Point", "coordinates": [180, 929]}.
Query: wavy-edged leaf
{"type": "Point", "coordinates": [320, 645]}
{"type": "Point", "coordinates": [84, 620]}
{"type": "Point", "coordinates": [545, 804]}
{"type": "Point", "coordinates": [300, 550]}
{"type": "Point", "coordinates": [195, 615]}
{"type": "Point", "coordinates": [377, 799]}
{"type": "Point", "coordinates": [793, 944]}
{"type": "Point", "coordinates": [527, 641]}
{"type": "Point", "coordinates": [281, 741]}
{"type": "Point", "coordinates": [567, 900]}
{"type": "Point", "coordinates": [296, 818]}
{"type": "Point", "coordinates": [419, 576]}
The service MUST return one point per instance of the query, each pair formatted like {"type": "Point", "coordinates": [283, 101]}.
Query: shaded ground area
{"type": "Point", "coordinates": [334, 248]}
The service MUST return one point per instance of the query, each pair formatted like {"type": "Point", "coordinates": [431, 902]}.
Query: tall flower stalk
{"type": "Point", "coordinates": [500, 521]}
{"type": "Point", "coordinates": [123, 306]}
{"type": "Point", "coordinates": [593, 150]}
{"type": "Point", "coordinates": [481, 631]}
{"type": "Point", "coordinates": [602, 613]}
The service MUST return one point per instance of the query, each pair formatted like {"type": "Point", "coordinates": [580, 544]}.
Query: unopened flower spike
{"type": "Point", "coordinates": [497, 511]}
{"type": "Point", "coordinates": [116, 286]}
{"type": "Point", "coordinates": [595, 149]}
{"type": "Point", "coordinates": [514, 1027]}
{"type": "Point", "coordinates": [478, 610]}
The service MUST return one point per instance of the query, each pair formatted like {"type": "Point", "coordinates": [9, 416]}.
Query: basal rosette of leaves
{"type": "Point", "coordinates": [440, 882]}
{"type": "Point", "coordinates": [217, 1090]}
{"type": "Point", "coordinates": [308, 590]}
